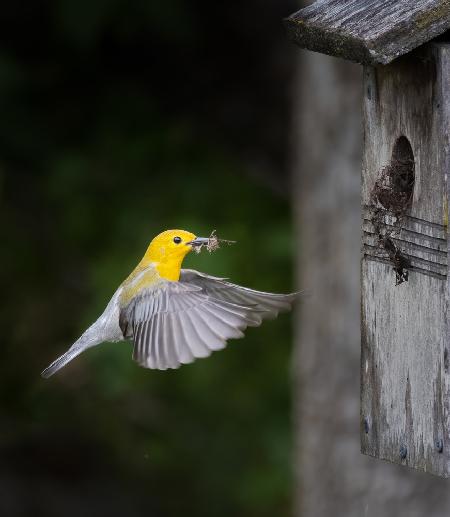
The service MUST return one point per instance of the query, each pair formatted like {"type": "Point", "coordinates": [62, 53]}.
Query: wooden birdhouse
{"type": "Point", "coordinates": [405, 301]}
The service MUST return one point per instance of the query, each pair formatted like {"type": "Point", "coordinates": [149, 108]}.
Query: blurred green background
{"type": "Point", "coordinates": [119, 120]}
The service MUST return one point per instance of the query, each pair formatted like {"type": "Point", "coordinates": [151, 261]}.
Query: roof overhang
{"type": "Point", "coordinates": [368, 31]}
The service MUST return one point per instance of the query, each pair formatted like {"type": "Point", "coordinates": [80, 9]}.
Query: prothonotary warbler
{"type": "Point", "coordinates": [175, 315]}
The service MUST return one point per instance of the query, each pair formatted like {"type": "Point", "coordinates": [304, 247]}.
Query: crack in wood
{"type": "Point", "coordinates": [369, 255]}
{"type": "Point", "coordinates": [438, 241]}
{"type": "Point", "coordinates": [430, 255]}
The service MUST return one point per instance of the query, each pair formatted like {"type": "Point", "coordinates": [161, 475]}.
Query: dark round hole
{"type": "Point", "coordinates": [402, 167]}
{"type": "Point", "coordinates": [394, 189]}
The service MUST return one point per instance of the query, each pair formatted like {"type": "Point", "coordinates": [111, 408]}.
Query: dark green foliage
{"type": "Point", "coordinates": [118, 121]}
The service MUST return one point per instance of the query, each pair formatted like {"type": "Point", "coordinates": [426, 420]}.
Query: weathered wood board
{"type": "Point", "coordinates": [368, 31]}
{"type": "Point", "coordinates": [405, 384]}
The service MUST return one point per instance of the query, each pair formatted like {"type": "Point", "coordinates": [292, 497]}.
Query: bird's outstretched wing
{"type": "Point", "coordinates": [177, 322]}
{"type": "Point", "coordinates": [220, 288]}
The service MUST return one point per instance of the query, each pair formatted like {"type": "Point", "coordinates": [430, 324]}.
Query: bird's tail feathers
{"type": "Point", "coordinates": [90, 338]}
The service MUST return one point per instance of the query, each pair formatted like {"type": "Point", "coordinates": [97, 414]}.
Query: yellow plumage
{"type": "Point", "coordinates": [173, 315]}
{"type": "Point", "coordinates": [165, 256]}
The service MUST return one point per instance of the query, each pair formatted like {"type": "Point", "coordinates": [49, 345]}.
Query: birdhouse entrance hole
{"type": "Point", "coordinates": [392, 197]}
{"type": "Point", "coordinates": [394, 188]}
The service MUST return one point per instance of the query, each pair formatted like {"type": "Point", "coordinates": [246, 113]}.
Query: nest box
{"type": "Point", "coordinates": [405, 302]}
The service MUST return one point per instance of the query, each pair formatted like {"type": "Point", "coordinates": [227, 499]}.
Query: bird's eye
{"type": "Point", "coordinates": [177, 240]}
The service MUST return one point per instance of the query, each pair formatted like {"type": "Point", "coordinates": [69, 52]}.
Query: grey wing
{"type": "Point", "coordinates": [221, 289]}
{"type": "Point", "coordinates": [178, 322]}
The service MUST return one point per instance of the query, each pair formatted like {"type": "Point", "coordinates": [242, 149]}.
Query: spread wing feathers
{"type": "Point", "coordinates": [177, 322]}
{"type": "Point", "coordinates": [221, 289]}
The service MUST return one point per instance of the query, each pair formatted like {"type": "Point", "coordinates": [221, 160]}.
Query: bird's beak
{"type": "Point", "coordinates": [198, 241]}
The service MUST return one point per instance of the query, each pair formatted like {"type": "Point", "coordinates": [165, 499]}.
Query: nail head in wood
{"type": "Point", "coordinates": [403, 452]}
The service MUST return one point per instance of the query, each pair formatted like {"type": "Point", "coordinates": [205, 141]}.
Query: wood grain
{"type": "Point", "coordinates": [368, 31]}
{"type": "Point", "coordinates": [405, 390]}
{"type": "Point", "coordinates": [332, 478]}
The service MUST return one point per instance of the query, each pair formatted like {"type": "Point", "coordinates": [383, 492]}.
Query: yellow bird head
{"type": "Point", "coordinates": [168, 249]}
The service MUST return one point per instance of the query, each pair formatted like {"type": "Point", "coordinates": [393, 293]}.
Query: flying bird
{"type": "Point", "coordinates": [175, 315]}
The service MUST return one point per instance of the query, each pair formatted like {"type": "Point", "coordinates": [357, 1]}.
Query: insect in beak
{"type": "Point", "coordinates": [199, 241]}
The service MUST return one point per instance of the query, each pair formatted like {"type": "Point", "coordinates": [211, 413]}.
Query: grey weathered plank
{"type": "Point", "coordinates": [326, 197]}
{"type": "Point", "coordinates": [405, 386]}
{"type": "Point", "coordinates": [331, 477]}
{"type": "Point", "coordinates": [368, 31]}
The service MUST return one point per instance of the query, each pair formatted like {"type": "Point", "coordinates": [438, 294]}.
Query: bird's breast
{"type": "Point", "coordinates": [141, 278]}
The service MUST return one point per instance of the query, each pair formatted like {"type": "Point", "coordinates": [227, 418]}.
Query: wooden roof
{"type": "Point", "coordinates": [368, 31]}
